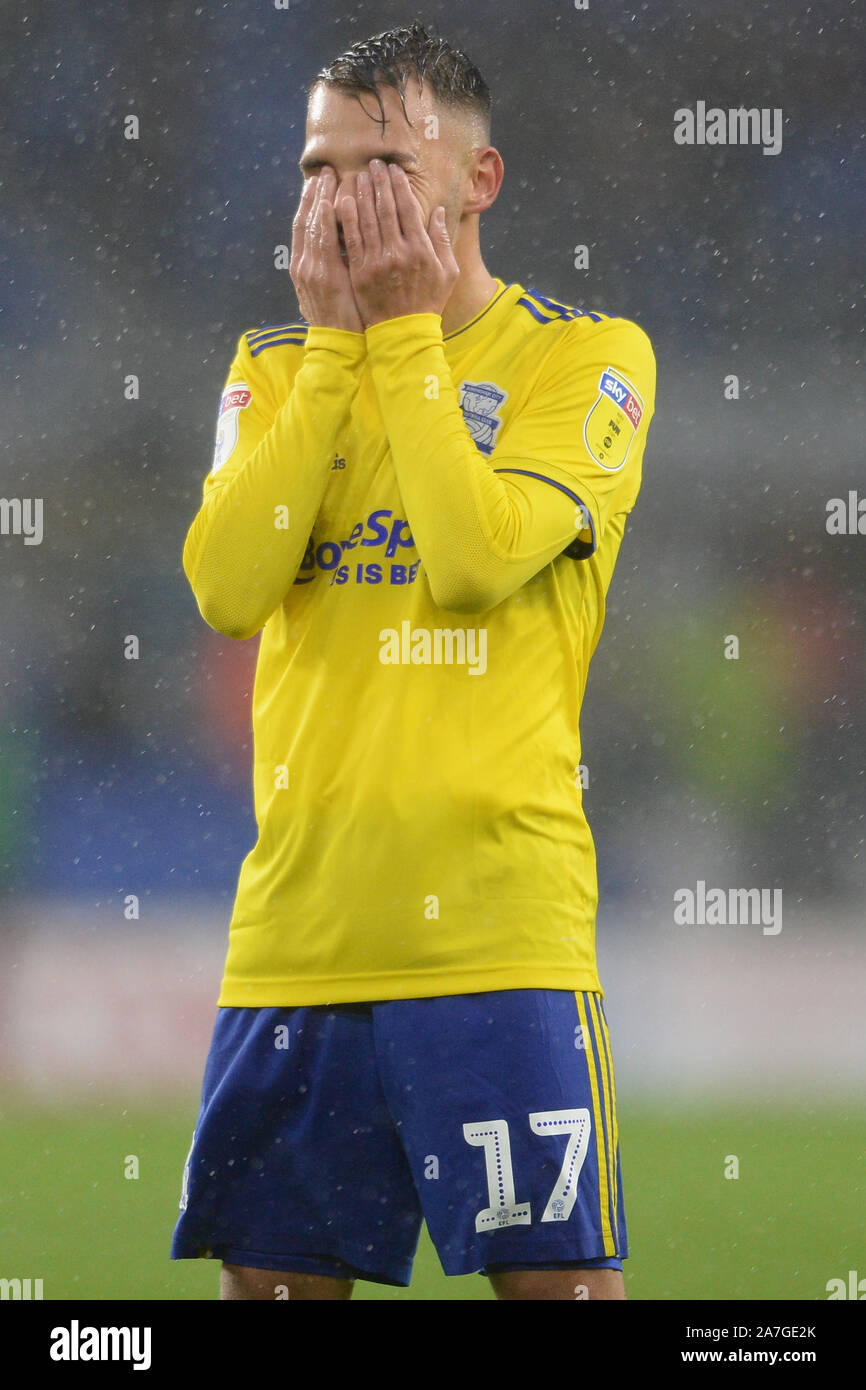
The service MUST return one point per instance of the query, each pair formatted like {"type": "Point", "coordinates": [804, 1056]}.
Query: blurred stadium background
{"type": "Point", "coordinates": [133, 777]}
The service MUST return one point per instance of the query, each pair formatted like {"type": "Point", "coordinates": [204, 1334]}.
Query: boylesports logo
{"type": "Point", "coordinates": [379, 538]}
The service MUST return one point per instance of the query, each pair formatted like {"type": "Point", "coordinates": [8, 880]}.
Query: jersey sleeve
{"type": "Point", "coordinates": [584, 427]}
{"type": "Point", "coordinates": [274, 448]}
{"type": "Point", "coordinates": [484, 526]}
{"type": "Point", "coordinates": [245, 414]}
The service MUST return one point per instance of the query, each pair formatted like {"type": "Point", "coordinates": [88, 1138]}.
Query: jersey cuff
{"type": "Point", "coordinates": [396, 330]}
{"type": "Point", "coordinates": [352, 347]}
{"type": "Point", "coordinates": [579, 549]}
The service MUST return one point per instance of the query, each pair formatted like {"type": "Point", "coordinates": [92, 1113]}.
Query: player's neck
{"type": "Point", "coordinates": [475, 288]}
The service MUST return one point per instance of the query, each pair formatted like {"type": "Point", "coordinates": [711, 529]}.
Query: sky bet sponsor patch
{"type": "Point", "coordinates": [613, 420]}
{"type": "Point", "coordinates": [235, 398]}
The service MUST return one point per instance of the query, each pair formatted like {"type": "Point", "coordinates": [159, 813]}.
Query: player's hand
{"type": "Point", "coordinates": [319, 275]}
{"type": "Point", "coordinates": [397, 264]}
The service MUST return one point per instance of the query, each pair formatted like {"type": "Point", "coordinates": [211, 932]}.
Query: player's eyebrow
{"type": "Point", "coordinates": [311, 163]}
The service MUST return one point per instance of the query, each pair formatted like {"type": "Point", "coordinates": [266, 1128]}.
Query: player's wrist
{"type": "Point", "coordinates": [353, 326]}
{"type": "Point", "coordinates": [342, 320]}
{"type": "Point", "coordinates": [333, 326]}
{"type": "Point", "coordinates": [331, 311]}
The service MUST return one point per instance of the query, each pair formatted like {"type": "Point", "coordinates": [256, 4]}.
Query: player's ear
{"type": "Point", "coordinates": [486, 175]}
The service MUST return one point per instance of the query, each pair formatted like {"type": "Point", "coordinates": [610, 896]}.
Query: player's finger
{"type": "Point", "coordinates": [406, 204]}
{"type": "Point", "coordinates": [311, 231]}
{"type": "Point", "coordinates": [328, 183]}
{"type": "Point", "coordinates": [307, 194]}
{"type": "Point", "coordinates": [386, 208]}
{"type": "Point", "coordinates": [352, 238]}
{"type": "Point", "coordinates": [318, 216]}
{"type": "Point", "coordinates": [329, 241]}
{"type": "Point", "coordinates": [438, 234]}
{"type": "Point", "coordinates": [367, 218]}
{"type": "Point", "coordinates": [299, 225]}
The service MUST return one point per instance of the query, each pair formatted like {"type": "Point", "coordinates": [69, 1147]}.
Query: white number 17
{"type": "Point", "coordinates": [492, 1136]}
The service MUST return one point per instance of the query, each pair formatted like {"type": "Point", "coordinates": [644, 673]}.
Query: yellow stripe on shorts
{"type": "Point", "coordinates": [604, 1203]}
{"type": "Point", "coordinates": [609, 1051]}
{"type": "Point", "coordinates": [610, 1098]}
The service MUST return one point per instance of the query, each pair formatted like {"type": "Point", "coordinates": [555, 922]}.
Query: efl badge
{"type": "Point", "coordinates": [613, 421]}
{"type": "Point", "coordinates": [479, 401]}
{"type": "Point", "coordinates": [235, 398]}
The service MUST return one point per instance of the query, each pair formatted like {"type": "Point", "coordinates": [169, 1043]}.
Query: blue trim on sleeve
{"type": "Point", "coordinates": [567, 311]}
{"type": "Point", "coordinates": [578, 550]}
{"type": "Point", "coordinates": [269, 329]}
{"type": "Point", "coordinates": [555, 311]}
{"type": "Point", "coordinates": [276, 342]}
{"type": "Point", "coordinates": [541, 318]}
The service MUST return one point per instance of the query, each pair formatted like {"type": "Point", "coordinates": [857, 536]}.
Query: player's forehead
{"type": "Point", "coordinates": [341, 124]}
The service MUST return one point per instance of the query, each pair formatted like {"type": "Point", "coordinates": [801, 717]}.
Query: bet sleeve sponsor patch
{"type": "Point", "coordinates": [613, 420]}
{"type": "Point", "coordinates": [235, 398]}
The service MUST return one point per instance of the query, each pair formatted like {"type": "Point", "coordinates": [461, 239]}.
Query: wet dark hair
{"type": "Point", "coordinates": [390, 58]}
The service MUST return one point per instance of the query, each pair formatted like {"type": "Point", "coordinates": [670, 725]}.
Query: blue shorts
{"type": "Point", "coordinates": [327, 1133]}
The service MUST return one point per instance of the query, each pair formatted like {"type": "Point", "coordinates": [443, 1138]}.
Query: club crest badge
{"type": "Point", "coordinates": [479, 402]}
{"type": "Point", "coordinates": [613, 420]}
{"type": "Point", "coordinates": [235, 398]}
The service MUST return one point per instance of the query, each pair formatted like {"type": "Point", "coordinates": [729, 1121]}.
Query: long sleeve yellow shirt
{"type": "Point", "coordinates": [423, 529]}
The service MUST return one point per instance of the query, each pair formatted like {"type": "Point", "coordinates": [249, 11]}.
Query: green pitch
{"type": "Point", "coordinates": [793, 1219]}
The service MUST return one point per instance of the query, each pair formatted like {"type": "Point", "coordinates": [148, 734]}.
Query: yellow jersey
{"type": "Point", "coordinates": [423, 529]}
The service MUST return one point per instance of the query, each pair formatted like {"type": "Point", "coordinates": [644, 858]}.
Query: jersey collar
{"type": "Point", "coordinates": [487, 320]}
